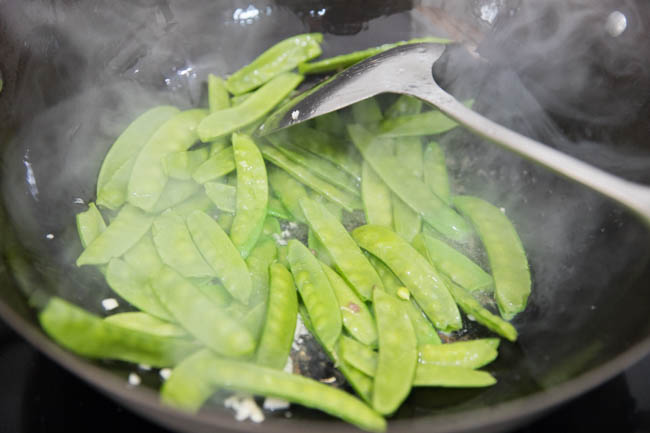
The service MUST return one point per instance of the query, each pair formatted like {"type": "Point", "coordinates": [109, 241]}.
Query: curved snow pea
{"type": "Point", "coordinates": [282, 310]}
{"type": "Point", "coordinates": [398, 354]}
{"type": "Point", "coordinates": [367, 112]}
{"type": "Point", "coordinates": [148, 178]}
{"type": "Point", "coordinates": [356, 316]}
{"type": "Point", "coordinates": [435, 171]}
{"type": "Point", "coordinates": [415, 125]}
{"type": "Point", "coordinates": [289, 190]}
{"type": "Point", "coordinates": [122, 233]}
{"type": "Point", "coordinates": [252, 194]}
{"type": "Point", "coordinates": [376, 198]}
{"type": "Point", "coordinates": [403, 106]}
{"type": "Point", "coordinates": [117, 166]}
{"type": "Point", "coordinates": [238, 99]}
{"type": "Point", "coordinates": [408, 152]}
{"type": "Point", "coordinates": [377, 151]}
{"type": "Point", "coordinates": [176, 247]}
{"type": "Point", "coordinates": [276, 209]}
{"type": "Point", "coordinates": [222, 195]}
{"type": "Point", "coordinates": [200, 317]}
{"type": "Point", "coordinates": [349, 59]}
{"type": "Point", "coordinates": [281, 57]}
{"type": "Point", "coordinates": [181, 165]}
{"type": "Point", "coordinates": [358, 355]}
{"type": "Point", "coordinates": [316, 293]}
{"type": "Point", "coordinates": [345, 199]}
{"type": "Point", "coordinates": [220, 253]}
{"type": "Point", "coordinates": [451, 262]}
{"type": "Point", "coordinates": [139, 321]}
{"type": "Point", "coordinates": [143, 258]}
{"type": "Point", "coordinates": [258, 262]}
{"type": "Point", "coordinates": [175, 192]}
{"type": "Point", "coordinates": [90, 224]}
{"type": "Point", "coordinates": [88, 335]}
{"type": "Point", "coordinates": [466, 354]}
{"type": "Point", "coordinates": [218, 97]}
{"type": "Point", "coordinates": [218, 165]}
{"type": "Point", "coordinates": [193, 381]}
{"type": "Point", "coordinates": [317, 247]}
{"type": "Point", "coordinates": [505, 252]}
{"type": "Point", "coordinates": [427, 287]}
{"type": "Point", "coordinates": [347, 256]}
{"type": "Point", "coordinates": [451, 377]}
{"type": "Point", "coordinates": [254, 108]}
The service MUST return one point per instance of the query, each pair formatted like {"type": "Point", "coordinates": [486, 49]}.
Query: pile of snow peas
{"type": "Point", "coordinates": [199, 243]}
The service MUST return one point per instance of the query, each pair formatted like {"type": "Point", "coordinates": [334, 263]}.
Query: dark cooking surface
{"type": "Point", "coordinates": [39, 396]}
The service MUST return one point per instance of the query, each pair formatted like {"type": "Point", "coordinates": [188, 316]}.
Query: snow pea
{"type": "Point", "coordinates": [88, 335]}
{"type": "Point", "coordinates": [218, 97]}
{"type": "Point", "coordinates": [176, 247]}
{"type": "Point", "coordinates": [416, 125]}
{"type": "Point", "coordinates": [505, 252]}
{"type": "Point", "coordinates": [200, 317]}
{"type": "Point", "coordinates": [316, 293]}
{"type": "Point", "coordinates": [334, 208]}
{"type": "Point", "coordinates": [451, 377]}
{"type": "Point", "coordinates": [281, 57]}
{"type": "Point", "coordinates": [181, 165]}
{"type": "Point", "coordinates": [357, 319]}
{"type": "Point", "coordinates": [407, 222]}
{"type": "Point", "coordinates": [376, 198]}
{"type": "Point", "coordinates": [418, 275]}
{"type": "Point", "coordinates": [116, 168]}
{"type": "Point", "coordinates": [134, 289]}
{"type": "Point", "coordinates": [90, 224]}
{"type": "Point", "coordinates": [175, 192]}
{"type": "Point", "coordinates": [358, 355]}
{"type": "Point", "coordinates": [276, 209]}
{"type": "Point", "coordinates": [218, 165]}
{"type": "Point", "coordinates": [435, 172]}
{"type": "Point", "coordinates": [281, 314]}
{"type": "Point", "coordinates": [366, 112]}
{"type": "Point", "coordinates": [222, 195]}
{"type": "Point", "coordinates": [225, 221]}
{"type": "Point", "coordinates": [254, 108]}
{"type": "Point", "coordinates": [413, 191]}
{"type": "Point", "coordinates": [289, 190]}
{"type": "Point", "coordinates": [345, 199]}
{"type": "Point", "coordinates": [139, 321]}
{"type": "Point", "coordinates": [252, 194]}
{"type": "Point", "coordinates": [467, 354]}
{"type": "Point", "coordinates": [191, 381]}
{"type": "Point", "coordinates": [347, 256]}
{"type": "Point", "coordinates": [216, 292]}
{"type": "Point", "coordinates": [319, 250]}
{"type": "Point", "coordinates": [122, 233]}
{"type": "Point", "coordinates": [271, 226]}
{"type": "Point", "coordinates": [220, 253]}
{"type": "Point", "coordinates": [143, 258]}
{"type": "Point", "coordinates": [258, 262]}
{"type": "Point", "coordinates": [199, 201]}
{"type": "Point", "coordinates": [349, 59]}
{"type": "Point", "coordinates": [397, 356]}
{"type": "Point", "coordinates": [148, 178]}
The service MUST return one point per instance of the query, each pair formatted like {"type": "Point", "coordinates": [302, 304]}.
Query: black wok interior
{"type": "Point", "coordinates": [75, 73]}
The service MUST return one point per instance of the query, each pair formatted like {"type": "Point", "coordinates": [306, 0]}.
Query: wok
{"type": "Point", "coordinates": [75, 73]}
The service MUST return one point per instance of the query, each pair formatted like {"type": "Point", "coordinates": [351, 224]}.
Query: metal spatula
{"type": "Point", "coordinates": [408, 70]}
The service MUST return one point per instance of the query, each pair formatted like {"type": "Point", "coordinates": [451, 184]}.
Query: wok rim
{"type": "Point", "coordinates": [145, 402]}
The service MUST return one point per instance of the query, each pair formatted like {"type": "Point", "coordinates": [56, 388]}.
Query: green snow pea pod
{"type": "Point", "coordinates": [199, 201]}
{"type": "Point", "coordinates": [218, 97]}
{"type": "Point", "coordinates": [418, 275]}
{"type": "Point", "coordinates": [143, 258]}
{"type": "Point", "coordinates": [225, 221]}
{"type": "Point", "coordinates": [415, 125]}
{"type": "Point", "coordinates": [218, 165]}
{"type": "Point", "coordinates": [289, 190]}
{"type": "Point", "coordinates": [398, 355]}
{"type": "Point", "coordinates": [148, 178]}
{"type": "Point", "coordinates": [195, 312]}
{"type": "Point", "coordinates": [137, 291]}
{"type": "Point", "coordinates": [347, 256]}
{"type": "Point", "coordinates": [357, 319]}
{"type": "Point", "coordinates": [366, 112]}
{"type": "Point", "coordinates": [139, 321]}
{"type": "Point", "coordinates": [181, 165]}
{"type": "Point", "coordinates": [349, 201]}
{"type": "Point", "coordinates": [282, 310]}
{"type": "Point", "coordinates": [460, 268]}
{"type": "Point", "coordinates": [451, 377]}
{"type": "Point", "coordinates": [116, 169]}
{"type": "Point", "coordinates": [319, 250]}
{"type": "Point", "coordinates": [238, 99]}
{"type": "Point", "coordinates": [435, 171]}
{"type": "Point", "coordinates": [281, 57]}
{"type": "Point", "coordinates": [317, 294]}
{"type": "Point", "coordinates": [220, 253]}
{"type": "Point", "coordinates": [335, 209]}
{"type": "Point", "coordinates": [408, 152]}
{"type": "Point", "coordinates": [407, 222]}
{"type": "Point", "coordinates": [175, 192]}
{"type": "Point", "coordinates": [404, 105]}
{"type": "Point", "coordinates": [467, 354]}
{"type": "Point", "coordinates": [90, 224]}
{"type": "Point", "coordinates": [271, 226]}
{"type": "Point", "coordinates": [505, 252]}
{"type": "Point", "coordinates": [376, 198]}
{"type": "Point", "coordinates": [122, 233]}
{"type": "Point", "coordinates": [222, 195]}
{"type": "Point", "coordinates": [88, 335]}
{"type": "Point", "coordinates": [413, 191]}
{"type": "Point", "coordinates": [200, 375]}
{"type": "Point", "coordinates": [358, 355]}
{"type": "Point", "coordinates": [254, 108]}
{"type": "Point", "coordinates": [349, 59]}
{"type": "Point", "coordinates": [258, 262]}
{"type": "Point", "coordinates": [176, 247]}
{"type": "Point", "coordinates": [216, 292]}
{"type": "Point", "coordinates": [276, 209]}
{"type": "Point", "coordinates": [252, 194]}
